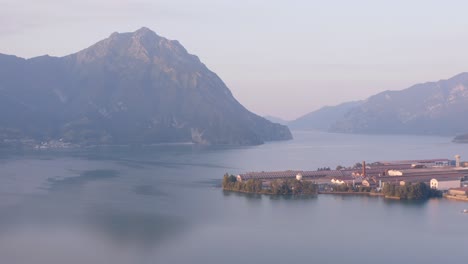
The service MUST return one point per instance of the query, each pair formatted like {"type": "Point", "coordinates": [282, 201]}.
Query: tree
{"type": "Point", "coordinates": [278, 187]}
{"type": "Point", "coordinates": [417, 191]}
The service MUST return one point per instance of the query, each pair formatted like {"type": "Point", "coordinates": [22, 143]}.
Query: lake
{"type": "Point", "coordinates": [163, 204]}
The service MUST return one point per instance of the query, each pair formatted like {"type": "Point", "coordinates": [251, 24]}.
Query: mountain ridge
{"type": "Point", "coordinates": [461, 138]}
{"type": "Point", "coordinates": [323, 118]}
{"type": "Point", "coordinates": [135, 87]}
{"type": "Point", "coordinates": [431, 108]}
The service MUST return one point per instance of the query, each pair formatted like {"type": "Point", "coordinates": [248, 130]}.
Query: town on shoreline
{"type": "Point", "coordinates": [404, 179]}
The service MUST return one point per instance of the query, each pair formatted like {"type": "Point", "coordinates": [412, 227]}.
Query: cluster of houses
{"type": "Point", "coordinates": [440, 174]}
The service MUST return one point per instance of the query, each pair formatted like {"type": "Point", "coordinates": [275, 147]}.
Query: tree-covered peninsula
{"type": "Point", "coordinates": [274, 187]}
{"type": "Point", "coordinates": [416, 191]}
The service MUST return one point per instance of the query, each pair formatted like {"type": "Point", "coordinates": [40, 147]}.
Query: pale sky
{"type": "Point", "coordinates": [281, 58]}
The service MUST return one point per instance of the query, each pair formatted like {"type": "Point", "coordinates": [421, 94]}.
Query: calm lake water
{"type": "Point", "coordinates": [163, 204]}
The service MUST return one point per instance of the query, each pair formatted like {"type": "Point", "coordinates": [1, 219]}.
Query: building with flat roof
{"type": "Point", "coordinates": [444, 184]}
{"type": "Point", "coordinates": [425, 162]}
{"type": "Point", "coordinates": [463, 191]}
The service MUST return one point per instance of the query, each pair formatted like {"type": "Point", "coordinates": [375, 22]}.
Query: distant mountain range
{"type": "Point", "coordinates": [432, 108]}
{"type": "Point", "coordinates": [131, 88]}
{"type": "Point", "coordinates": [461, 139]}
{"type": "Point", "coordinates": [324, 118]}
{"type": "Point", "coordinates": [321, 119]}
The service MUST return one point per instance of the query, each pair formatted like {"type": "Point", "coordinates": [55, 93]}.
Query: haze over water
{"type": "Point", "coordinates": [163, 204]}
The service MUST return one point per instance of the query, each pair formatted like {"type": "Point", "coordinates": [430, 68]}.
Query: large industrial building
{"type": "Point", "coordinates": [444, 184]}
{"type": "Point", "coordinates": [441, 174]}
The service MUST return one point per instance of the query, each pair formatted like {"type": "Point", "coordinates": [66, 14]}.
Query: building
{"type": "Point", "coordinates": [372, 183]}
{"type": "Point", "coordinates": [299, 177]}
{"type": "Point", "coordinates": [340, 181]}
{"type": "Point", "coordinates": [443, 184]}
{"type": "Point", "coordinates": [394, 173]}
{"type": "Point", "coordinates": [346, 180]}
{"type": "Point", "coordinates": [292, 174]}
{"type": "Point", "coordinates": [423, 163]}
{"type": "Point", "coordinates": [459, 191]}
{"type": "Point", "coordinates": [457, 161]}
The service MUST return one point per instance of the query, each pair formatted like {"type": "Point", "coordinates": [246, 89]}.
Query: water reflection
{"type": "Point", "coordinates": [254, 196]}
{"type": "Point", "coordinates": [82, 179]}
{"type": "Point", "coordinates": [406, 203]}
{"type": "Point", "coordinates": [148, 190]}
{"type": "Point", "coordinates": [163, 205]}
{"type": "Point", "coordinates": [248, 196]}
{"type": "Point", "coordinates": [124, 227]}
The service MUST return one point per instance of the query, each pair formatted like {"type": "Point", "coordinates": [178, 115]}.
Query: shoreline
{"type": "Point", "coordinates": [348, 193]}
{"type": "Point", "coordinates": [312, 195]}
{"type": "Point", "coordinates": [456, 198]}
{"type": "Point", "coordinates": [373, 194]}
{"type": "Point", "coordinates": [269, 194]}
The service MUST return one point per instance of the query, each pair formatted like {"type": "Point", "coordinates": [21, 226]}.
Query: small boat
{"type": "Point", "coordinates": [465, 211]}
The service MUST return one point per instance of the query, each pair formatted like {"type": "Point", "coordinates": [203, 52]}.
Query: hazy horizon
{"type": "Point", "coordinates": [279, 59]}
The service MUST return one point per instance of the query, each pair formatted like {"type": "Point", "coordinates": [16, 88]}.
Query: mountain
{"type": "Point", "coordinates": [461, 139]}
{"type": "Point", "coordinates": [277, 120]}
{"type": "Point", "coordinates": [131, 88]}
{"type": "Point", "coordinates": [323, 118]}
{"type": "Point", "coordinates": [433, 108]}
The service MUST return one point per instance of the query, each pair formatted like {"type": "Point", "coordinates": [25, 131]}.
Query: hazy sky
{"type": "Point", "coordinates": [282, 58]}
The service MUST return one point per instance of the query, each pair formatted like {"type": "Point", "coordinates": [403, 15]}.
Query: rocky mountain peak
{"type": "Point", "coordinates": [143, 45]}
{"type": "Point", "coordinates": [130, 88]}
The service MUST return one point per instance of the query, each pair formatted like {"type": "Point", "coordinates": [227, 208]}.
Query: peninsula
{"type": "Point", "coordinates": [405, 179]}
{"type": "Point", "coordinates": [275, 187]}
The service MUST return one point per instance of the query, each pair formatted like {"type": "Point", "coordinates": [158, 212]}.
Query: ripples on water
{"type": "Point", "coordinates": [163, 204]}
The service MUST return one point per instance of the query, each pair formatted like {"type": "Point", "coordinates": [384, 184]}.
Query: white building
{"type": "Point", "coordinates": [445, 184]}
{"type": "Point", "coordinates": [337, 181]}
{"type": "Point", "coordinates": [299, 177]}
{"type": "Point", "coordinates": [394, 173]}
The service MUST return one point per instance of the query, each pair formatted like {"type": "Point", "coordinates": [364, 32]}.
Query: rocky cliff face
{"type": "Point", "coordinates": [437, 108]}
{"type": "Point", "coordinates": [131, 88]}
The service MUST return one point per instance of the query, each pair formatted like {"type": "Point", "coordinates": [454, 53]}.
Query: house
{"type": "Point", "coordinates": [443, 184]}
{"type": "Point", "coordinates": [394, 173]}
{"type": "Point", "coordinates": [338, 181]}
{"type": "Point", "coordinates": [346, 180]}
{"type": "Point", "coordinates": [369, 183]}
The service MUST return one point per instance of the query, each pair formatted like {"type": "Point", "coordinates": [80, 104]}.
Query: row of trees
{"type": "Point", "coordinates": [293, 186]}
{"type": "Point", "coordinates": [277, 187]}
{"type": "Point", "coordinates": [350, 188]}
{"type": "Point", "coordinates": [416, 191]}
{"type": "Point", "coordinates": [355, 166]}
{"type": "Point", "coordinates": [358, 166]}
{"type": "Point", "coordinates": [252, 186]}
